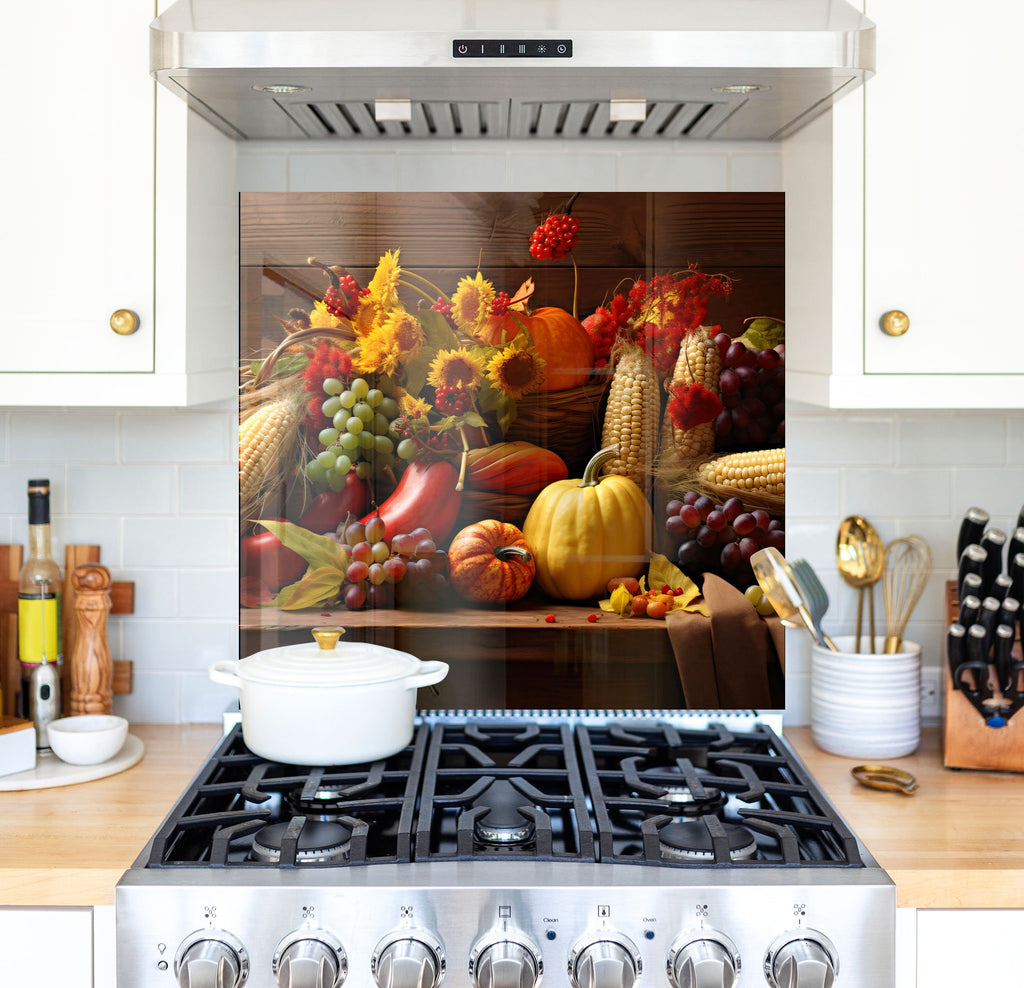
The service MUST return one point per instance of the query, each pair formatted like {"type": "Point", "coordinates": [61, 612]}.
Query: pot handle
{"type": "Point", "coordinates": [224, 672]}
{"type": "Point", "coordinates": [429, 674]}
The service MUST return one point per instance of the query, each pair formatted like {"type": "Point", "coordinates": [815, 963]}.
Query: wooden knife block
{"type": "Point", "coordinates": [967, 741]}
{"type": "Point", "coordinates": [122, 599]}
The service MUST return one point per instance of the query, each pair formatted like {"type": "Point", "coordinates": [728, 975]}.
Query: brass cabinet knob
{"type": "Point", "coordinates": [124, 322]}
{"type": "Point", "coordinates": [895, 323]}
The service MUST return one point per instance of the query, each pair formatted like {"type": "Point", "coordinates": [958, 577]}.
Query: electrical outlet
{"type": "Point", "coordinates": [931, 694]}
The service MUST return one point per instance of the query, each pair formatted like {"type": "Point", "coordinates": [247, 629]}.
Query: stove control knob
{"type": "Point", "coordinates": [505, 961]}
{"type": "Point", "coordinates": [801, 959]}
{"type": "Point", "coordinates": [310, 959]}
{"type": "Point", "coordinates": [705, 960]}
{"type": "Point", "coordinates": [211, 959]}
{"type": "Point", "coordinates": [408, 959]}
{"type": "Point", "coordinates": [605, 960]}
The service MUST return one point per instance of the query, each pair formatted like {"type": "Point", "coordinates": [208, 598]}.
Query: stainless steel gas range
{"type": "Point", "coordinates": [499, 851]}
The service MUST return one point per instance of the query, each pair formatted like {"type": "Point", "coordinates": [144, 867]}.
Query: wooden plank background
{"type": "Point", "coordinates": [444, 236]}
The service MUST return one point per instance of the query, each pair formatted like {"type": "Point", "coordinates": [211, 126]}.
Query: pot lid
{"type": "Point", "coordinates": [327, 662]}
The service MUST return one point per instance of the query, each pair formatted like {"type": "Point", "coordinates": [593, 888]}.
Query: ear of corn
{"type": "Point", "coordinates": [263, 437]}
{"type": "Point", "coordinates": [631, 416]}
{"type": "Point", "coordinates": [761, 471]}
{"type": "Point", "coordinates": [698, 362]}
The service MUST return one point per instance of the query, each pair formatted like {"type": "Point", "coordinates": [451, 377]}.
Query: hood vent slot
{"type": "Point", "coordinates": [572, 119]}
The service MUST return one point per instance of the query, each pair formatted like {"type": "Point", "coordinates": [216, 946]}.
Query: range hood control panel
{"type": "Point", "coordinates": [512, 48]}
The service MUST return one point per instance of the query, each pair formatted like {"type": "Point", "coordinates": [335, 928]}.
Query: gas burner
{"type": "Point", "coordinates": [319, 842]}
{"type": "Point", "coordinates": [326, 803]}
{"type": "Point", "coordinates": [691, 841]}
{"type": "Point", "coordinates": [683, 803]}
{"type": "Point", "coordinates": [502, 824]}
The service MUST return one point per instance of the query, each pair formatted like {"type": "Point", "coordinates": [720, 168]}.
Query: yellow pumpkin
{"type": "Point", "coordinates": [559, 339]}
{"type": "Point", "coordinates": [490, 562]}
{"type": "Point", "coordinates": [584, 532]}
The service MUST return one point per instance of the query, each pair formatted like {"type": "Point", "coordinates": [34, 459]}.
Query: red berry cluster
{"type": "Point", "coordinates": [500, 304]}
{"type": "Point", "coordinates": [443, 306]}
{"type": "Point", "coordinates": [604, 326]}
{"type": "Point", "coordinates": [452, 400]}
{"type": "Point", "coordinates": [327, 361]}
{"type": "Point", "coordinates": [555, 237]}
{"type": "Point", "coordinates": [343, 301]}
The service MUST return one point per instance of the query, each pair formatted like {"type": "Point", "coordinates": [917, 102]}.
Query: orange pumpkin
{"type": "Point", "coordinates": [516, 467]}
{"type": "Point", "coordinates": [490, 562]}
{"type": "Point", "coordinates": [559, 339]}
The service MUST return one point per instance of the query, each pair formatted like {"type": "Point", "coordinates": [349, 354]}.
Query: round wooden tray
{"type": "Point", "coordinates": [50, 771]}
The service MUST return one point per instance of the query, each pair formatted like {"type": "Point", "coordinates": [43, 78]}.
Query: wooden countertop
{"type": "Point", "coordinates": [957, 843]}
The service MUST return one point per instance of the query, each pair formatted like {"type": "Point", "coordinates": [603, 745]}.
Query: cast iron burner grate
{"type": "Point", "coordinates": [638, 792]}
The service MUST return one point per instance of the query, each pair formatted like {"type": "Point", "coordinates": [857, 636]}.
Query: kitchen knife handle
{"type": "Point", "coordinates": [970, 608]}
{"type": "Point", "coordinates": [977, 661]}
{"type": "Point", "coordinates": [973, 524]}
{"type": "Point", "coordinates": [1010, 611]}
{"type": "Point", "coordinates": [1016, 571]}
{"type": "Point", "coordinates": [972, 560]}
{"type": "Point", "coordinates": [1001, 586]}
{"type": "Point", "coordinates": [992, 542]}
{"type": "Point", "coordinates": [1016, 545]}
{"type": "Point", "coordinates": [988, 618]}
{"type": "Point", "coordinates": [1004, 642]}
{"type": "Point", "coordinates": [956, 650]}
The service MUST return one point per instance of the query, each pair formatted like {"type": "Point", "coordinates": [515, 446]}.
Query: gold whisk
{"type": "Point", "coordinates": [908, 564]}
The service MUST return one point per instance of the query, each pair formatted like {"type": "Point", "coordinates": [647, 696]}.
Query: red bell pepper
{"type": "Point", "coordinates": [424, 498]}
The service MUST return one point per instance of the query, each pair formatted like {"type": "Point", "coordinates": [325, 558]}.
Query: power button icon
{"type": "Point", "coordinates": [463, 49]}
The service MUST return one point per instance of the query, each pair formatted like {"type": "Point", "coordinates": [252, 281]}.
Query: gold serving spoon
{"type": "Point", "coordinates": [860, 559]}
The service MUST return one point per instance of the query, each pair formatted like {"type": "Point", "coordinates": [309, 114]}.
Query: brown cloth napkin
{"type": "Point", "coordinates": [733, 660]}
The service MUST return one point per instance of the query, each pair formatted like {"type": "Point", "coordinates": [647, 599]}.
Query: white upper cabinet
{"type": "Point", "coordinates": [101, 175]}
{"type": "Point", "coordinates": [907, 199]}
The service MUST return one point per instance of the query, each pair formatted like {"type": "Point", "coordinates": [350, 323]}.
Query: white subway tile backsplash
{"type": "Point", "coordinates": [208, 593]}
{"type": "Point", "coordinates": [155, 698]}
{"type": "Point", "coordinates": [179, 542]}
{"type": "Point", "coordinates": [899, 493]}
{"type": "Point", "coordinates": [203, 700]}
{"type": "Point", "coordinates": [811, 492]}
{"type": "Point", "coordinates": [952, 439]}
{"type": "Point", "coordinates": [122, 489]}
{"type": "Point", "coordinates": [589, 171]}
{"type": "Point", "coordinates": [343, 172]}
{"type": "Point", "coordinates": [423, 171]}
{"type": "Point", "coordinates": [178, 437]}
{"type": "Point", "coordinates": [181, 645]}
{"type": "Point", "coordinates": [71, 437]}
{"type": "Point", "coordinates": [1000, 492]}
{"type": "Point", "coordinates": [864, 440]}
{"type": "Point", "coordinates": [668, 172]}
{"type": "Point", "coordinates": [755, 172]}
{"type": "Point", "coordinates": [208, 490]}
{"type": "Point", "coordinates": [156, 593]}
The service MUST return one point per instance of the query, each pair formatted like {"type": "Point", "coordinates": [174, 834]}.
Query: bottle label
{"type": "Point", "coordinates": [39, 629]}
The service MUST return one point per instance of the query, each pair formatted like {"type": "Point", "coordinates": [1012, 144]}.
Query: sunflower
{"type": "Point", "coordinates": [471, 303]}
{"type": "Point", "coordinates": [380, 351]}
{"type": "Point", "coordinates": [456, 369]}
{"type": "Point", "coordinates": [320, 318]}
{"type": "Point", "coordinates": [516, 371]}
{"type": "Point", "coordinates": [409, 405]}
{"type": "Point", "coordinates": [384, 283]}
{"type": "Point", "coordinates": [407, 332]}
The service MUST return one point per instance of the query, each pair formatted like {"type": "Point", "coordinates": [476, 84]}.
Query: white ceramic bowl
{"type": "Point", "coordinates": [88, 739]}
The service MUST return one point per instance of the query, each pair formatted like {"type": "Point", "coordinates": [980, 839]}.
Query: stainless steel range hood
{"type": "Point", "coordinates": [500, 69]}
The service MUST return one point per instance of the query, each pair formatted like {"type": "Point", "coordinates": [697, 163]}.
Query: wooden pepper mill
{"type": "Point", "coordinates": [92, 669]}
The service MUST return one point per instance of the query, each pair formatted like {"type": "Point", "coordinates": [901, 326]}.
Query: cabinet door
{"type": "Point", "coordinates": [77, 190]}
{"type": "Point", "coordinates": [46, 948]}
{"type": "Point", "coordinates": [968, 947]}
{"type": "Point", "coordinates": [944, 213]}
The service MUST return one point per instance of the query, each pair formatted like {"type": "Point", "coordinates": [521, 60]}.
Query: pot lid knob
{"type": "Point", "coordinates": [327, 638]}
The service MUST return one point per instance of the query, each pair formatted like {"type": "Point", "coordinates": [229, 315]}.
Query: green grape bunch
{"type": "Point", "coordinates": [360, 436]}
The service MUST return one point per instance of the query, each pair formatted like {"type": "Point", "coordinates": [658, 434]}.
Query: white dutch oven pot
{"type": "Point", "coordinates": [325, 703]}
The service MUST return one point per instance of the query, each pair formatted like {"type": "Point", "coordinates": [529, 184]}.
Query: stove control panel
{"type": "Point", "coordinates": [211, 959]}
{"type": "Point", "coordinates": [505, 958]}
{"type": "Point", "coordinates": [310, 959]}
{"type": "Point", "coordinates": [604, 960]}
{"type": "Point", "coordinates": [801, 959]}
{"type": "Point", "coordinates": [705, 960]}
{"type": "Point", "coordinates": [408, 959]}
{"type": "Point", "coordinates": [668, 935]}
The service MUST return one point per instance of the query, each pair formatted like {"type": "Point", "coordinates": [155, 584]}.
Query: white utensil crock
{"type": "Point", "coordinates": [322, 705]}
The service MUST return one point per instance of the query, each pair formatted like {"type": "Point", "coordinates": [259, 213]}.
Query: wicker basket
{"type": "Point", "coordinates": [566, 422]}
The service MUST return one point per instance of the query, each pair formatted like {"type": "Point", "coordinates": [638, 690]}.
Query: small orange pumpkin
{"type": "Point", "coordinates": [490, 562]}
{"type": "Point", "coordinates": [559, 339]}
